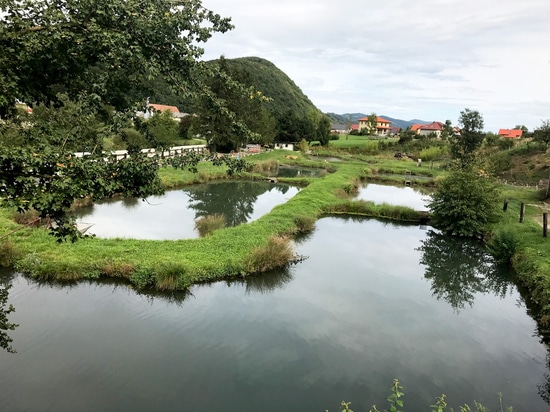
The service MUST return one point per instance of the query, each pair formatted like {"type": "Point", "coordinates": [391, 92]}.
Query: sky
{"type": "Point", "coordinates": [407, 59]}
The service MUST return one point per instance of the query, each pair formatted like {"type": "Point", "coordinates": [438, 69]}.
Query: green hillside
{"type": "Point", "coordinates": [272, 82]}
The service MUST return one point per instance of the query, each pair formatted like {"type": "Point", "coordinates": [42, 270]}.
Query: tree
{"type": "Point", "coordinates": [471, 136]}
{"type": "Point", "coordinates": [464, 203]}
{"type": "Point", "coordinates": [71, 60]}
{"type": "Point", "coordinates": [221, 130]}
{"type": "Point", "coordinates": [99, 47]}
{"type": "Point", "coordinates": [323, 130]}
{"type": "Point", "coordinates": [523, 128]}
{"type": "Point", "coordinates": [542, 133]}
{"type": "Point", "coordinates": [447, 130]}
{"type": "Point", "coordinates": [372, 122]}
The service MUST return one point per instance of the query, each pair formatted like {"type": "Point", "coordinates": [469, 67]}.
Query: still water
{"type": "Point", "coordinates": [372, 302]}
{"type": "Point", "coordinates": [395, 195]}
{"type": "Point", "coordinates": [172, 215]}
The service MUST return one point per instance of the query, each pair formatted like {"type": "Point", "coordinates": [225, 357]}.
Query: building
{"type": "Point", "coordinates": [382, 126]}
{"type": "Point", "coordinates": [510, 133]}
{"type": "Point", "coordinates": [435, 128]}
{"type": "Point", "coordinates": [152, 108]}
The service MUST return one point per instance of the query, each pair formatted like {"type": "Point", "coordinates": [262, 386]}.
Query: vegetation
{"type": "Point", "coordinates": [207, 224]}
{"type": "Point", "coordinates": [396, 404]}
{"type": "Point", "coordinates": [464, 203]}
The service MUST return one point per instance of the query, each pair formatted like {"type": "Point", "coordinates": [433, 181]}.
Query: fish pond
{"type": "Point", "coordinates": [173, 215]}
{"type": "Point", "coordinates": [372, 301]}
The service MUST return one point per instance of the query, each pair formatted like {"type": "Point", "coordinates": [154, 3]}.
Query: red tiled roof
{"type": "Point", "coordinates": [163, 108]}
{"type": "Point", "coordinates": [378, 119]}
{"type": "Point", "coordinates": [435, 126]}
{"type": "Point", "coordinates": [415, 127]}
{"type": "Point", "coordinates": [354, 127]}
{"type": "Point", "coordinates": [511, 133]}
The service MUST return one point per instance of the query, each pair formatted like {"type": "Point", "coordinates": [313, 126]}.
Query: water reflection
{"type": "Point", "coordinates": [5, 310]}
{"type": "Point", "coordinates": [233, 199]}
{"type": "Point", "coordinates": [394, 195]}
{"type": "Point", "coordinates": [460, 268]}
{"type": "Point", "coordinates": [173, 215]}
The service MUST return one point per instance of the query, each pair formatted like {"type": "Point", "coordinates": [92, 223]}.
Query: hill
{"type": "Point", "coordinates": [354, 117]}
{"type": "Point", "coordinates": [272, 82]}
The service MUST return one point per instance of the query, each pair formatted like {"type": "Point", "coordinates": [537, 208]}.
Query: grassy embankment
{"type": "Point", "coordinates": [235, 251]}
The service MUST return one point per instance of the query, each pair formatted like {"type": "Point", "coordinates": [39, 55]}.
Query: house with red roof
{"type": "Point", "coordinates": [382, 125]}
{"type": "Point", "coordinates": [435, 128]}
{"type": "Point", "coordinates": [415, 127]}
{"type": "Point", "coordinates": [510, 133]}
{"type": "Point", "coordinates": [153, 107]}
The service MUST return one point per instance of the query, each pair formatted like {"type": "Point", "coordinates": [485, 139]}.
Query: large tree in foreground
{"type": "Point", "coordinates": [80, 57]}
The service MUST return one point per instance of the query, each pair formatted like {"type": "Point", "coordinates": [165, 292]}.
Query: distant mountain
{"type": "Point", "coordinates": [272, 82]}
{"type": "Point", "coordinates": [354, 117]}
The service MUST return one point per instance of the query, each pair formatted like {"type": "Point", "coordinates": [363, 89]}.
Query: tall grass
{"type": "Point", "coordinates": [277, 253]}
{"type": "Point", "coordinates": [207, 224]}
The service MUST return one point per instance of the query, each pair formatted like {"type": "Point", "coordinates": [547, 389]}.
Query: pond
{"type": "Point", "coordinates": [172, 215]}
{"type": "Point", "coordinates": [295, 171]}
{"type": "Point", "coordinates": [394, 195]}
{"type": "Point", "coordinates": [372, 302]}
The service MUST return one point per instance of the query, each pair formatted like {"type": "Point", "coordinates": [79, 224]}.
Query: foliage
{"type": "Point", "coordinates": [245, 118]}
{"type": "Point", "coordinates": [99, 47]}
{"type": "Point", "coordinates": [433, 153]}
{"type": "Point", "coordinates": [503, 245]}
{"type": "Point", "coordinates": [5, 324]}
{"type": "Point", "coordinates": [205, 225]}
{"type": "Point", "coordinates": [440, 405]}
{"type": "Point", "coordinates": [160, 131]}
{"type": "Point", "coordinates": [542, 134]}
{"type": "Point", "coordinates": [277, 253]}
{"type": "Point", "coordinates": [470, 138]}
{"type": "Point", "coordinates": [464, 203]}
{"type": "Point", "coordinates": [285, 96]}
{"type": "Point", "coordinates": [43, 179]}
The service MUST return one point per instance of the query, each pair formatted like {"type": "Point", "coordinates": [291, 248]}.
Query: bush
{"type": "Point", "coordinates": [464, 203]}
{"type": "Point", "coordinates": [503, 245]}
{"type": "Point", "coordinates": [305, 223]}
{"type": "Point", "coordinates": [207, 224]}
{"type": "Point", "coordinates": [277, 253]}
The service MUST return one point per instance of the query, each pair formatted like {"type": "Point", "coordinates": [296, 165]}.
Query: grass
{"type": "Point", "coordinates": [207, 224]}
{"type": "Point", "coordinates": [265, 243]}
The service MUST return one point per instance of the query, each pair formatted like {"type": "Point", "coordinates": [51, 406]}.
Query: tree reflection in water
{"type": "Point", "coordinates": [235, 200]}
{"type": "Point", "coordinates": [5, 310]}
{"type": "Point", "coordinates": [460, 268]}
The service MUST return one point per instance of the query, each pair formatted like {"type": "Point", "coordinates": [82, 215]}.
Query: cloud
{"type": "Point", "coordinates": [425, 59]}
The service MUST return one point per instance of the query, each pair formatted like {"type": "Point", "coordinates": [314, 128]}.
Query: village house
{"type": "Point", "coordinates": [382, 126]}
{"type": "Point", "coordinates": [152, 108]}
{"type": "Point", "coordinates": [435, 128]}
{"type": "Point", "coordinates": [510, 133]}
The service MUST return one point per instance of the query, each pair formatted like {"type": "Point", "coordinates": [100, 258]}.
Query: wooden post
{"type": "Point", "coordinates": [505, 207]}
{"type": "Point", "coordinates": [544, 224]}
{"type": "Point", "coordinates": [521, 212]}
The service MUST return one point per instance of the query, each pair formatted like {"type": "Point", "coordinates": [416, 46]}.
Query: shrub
{"type": "Point", "coordinates": [464, 203]}
{"type": "Point", "coordinates": [207, 224]}
{"type": "Point", "coordinates": [8, 253]}
{"type": "Point", "coordinates": [277, 253]}
{"type": "Point", "coordinates": [432, 153]}
{"type": "Point", "coordinates": [305, 223]}
{"type": "Point", "coordinates": [503, 245]}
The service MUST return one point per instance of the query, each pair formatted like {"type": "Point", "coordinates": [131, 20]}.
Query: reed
{"type": "Point", "coordinates": [207, 224]}
{"type": "Point", "coordinates": [278, 252]}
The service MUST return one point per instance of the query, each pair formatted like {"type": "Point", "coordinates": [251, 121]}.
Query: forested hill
{"type": "Point", "coordinates": [272, 82]}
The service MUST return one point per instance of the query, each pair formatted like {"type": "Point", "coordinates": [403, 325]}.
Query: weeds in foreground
{"type": "Point", "coordinates": [440, 405]}
{"type": "Point", "coordinates": [207, 224]}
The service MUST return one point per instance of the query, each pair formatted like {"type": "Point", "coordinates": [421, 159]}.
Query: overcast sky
{"type": "Point", "coordinates": [424, 59]}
